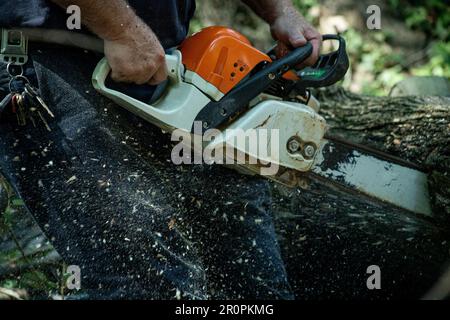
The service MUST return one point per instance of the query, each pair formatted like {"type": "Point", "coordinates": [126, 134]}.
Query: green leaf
{"type": "Point", "coordinates": [37, 280]}
{"type": "Point", "coordinates": [17, 202]}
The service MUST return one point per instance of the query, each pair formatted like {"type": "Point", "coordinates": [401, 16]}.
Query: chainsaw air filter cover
{"type": "Point", "coordinates": [217, 59]}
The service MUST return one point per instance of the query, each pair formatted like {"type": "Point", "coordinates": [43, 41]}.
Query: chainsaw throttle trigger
{"type": "Point", "coordinates": [217, 113]}
{"type": "Point", "coordinates": [329, 68]}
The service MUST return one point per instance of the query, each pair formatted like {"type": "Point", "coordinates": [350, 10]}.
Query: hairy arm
{"type": "Point", "coordinates": [270, 10]}
{"type": "Point", "coordinates": [287, 25]}
{"type": "Point", "coordinates": [108, 19]}
{"type": "Point", "coordinates": [131, 47]}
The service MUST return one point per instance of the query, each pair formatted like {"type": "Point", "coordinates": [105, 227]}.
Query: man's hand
{"type": "Point", "coordinates": [293, 31]}
{"type": "Point", "coordinates": [288, 26]}
{"type": "Point", "coordinates": [136, 56]}
{"type": "Point", "coordinates": [131, 47]}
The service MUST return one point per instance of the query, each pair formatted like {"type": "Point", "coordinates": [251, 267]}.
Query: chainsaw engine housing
{"type": "Point", "coordinates": [217, 59]}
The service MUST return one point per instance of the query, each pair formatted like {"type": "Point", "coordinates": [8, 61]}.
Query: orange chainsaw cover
{"type": "Point", "coordinates": [221, 56]}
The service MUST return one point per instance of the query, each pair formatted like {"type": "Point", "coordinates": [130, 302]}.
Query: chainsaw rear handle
{"type": "Point", "coordinates": [216, 113]}
{"type": "Point", "coordinates": [329, 68]}
{"type": "Point", "coordinates": [145, 93]}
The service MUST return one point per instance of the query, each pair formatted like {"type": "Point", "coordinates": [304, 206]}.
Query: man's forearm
{"type": "Point", "coordinates": [132, 49]}
{"type": "Point", "coordinates": [270, 10]}
{"type": "Point", "coordinates": [108, 19]}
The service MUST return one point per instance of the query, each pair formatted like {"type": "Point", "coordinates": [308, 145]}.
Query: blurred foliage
{"type": "Point", "coordinates": [439, 63]}
{"type": "Point", "coordinates": [431, 16]}
{"type": "Point", "coordinates": [30, 281]}
{"type": "Point", "coordinates": [371, 52]}
{"type": "Point", "coordinates": [377, 62]}
{"type": "Point", "coordinates": [305, 5]}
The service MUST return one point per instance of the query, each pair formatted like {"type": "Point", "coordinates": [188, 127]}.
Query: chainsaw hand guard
{"type": "Point", "coordinates": [329, 68]}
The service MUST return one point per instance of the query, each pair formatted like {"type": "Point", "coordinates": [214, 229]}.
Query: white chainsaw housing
{"type": "Point", "coordinates": [280, 120]}
{"type": "Point", "coordinates": [273, 124]}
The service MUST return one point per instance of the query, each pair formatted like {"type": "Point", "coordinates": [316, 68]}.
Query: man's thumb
{"type": "Point", "coordinates": [297, 40]}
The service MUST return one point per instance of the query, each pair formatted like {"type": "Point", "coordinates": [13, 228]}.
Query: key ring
{"type": "Point", "coordinates": [15, 65]}
{"type": "Point", "coordinates": [14, 78]}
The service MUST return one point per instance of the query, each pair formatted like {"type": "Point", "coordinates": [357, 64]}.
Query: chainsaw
{"type": "Point", "coordinates": [218, 82]}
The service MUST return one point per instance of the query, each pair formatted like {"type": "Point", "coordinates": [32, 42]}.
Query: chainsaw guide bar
{"type": "Point", "coordinates": [379, 176]}
{"type": "Point", "coordinates": [356, 169]}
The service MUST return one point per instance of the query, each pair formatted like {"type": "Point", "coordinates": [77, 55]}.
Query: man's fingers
{"type": "Point", "coordinates": [119, 76]}
{"type": "Point", "coordinates": [297, 39]}
{"type": "Point", "coordinates": [160, 75]}
{"type": "Point", "coordinates": [126, 73]}
{"type": "Point", "coordinates": [316, 43]}
{"type": "Point", "coordinates": [150, 76]}
{"type": "Point", "coordinates": [281, 50]}
{"type": "Point", "coordinates": [146, 74]}
{"type": "Point", "coordinates": [152, 73]}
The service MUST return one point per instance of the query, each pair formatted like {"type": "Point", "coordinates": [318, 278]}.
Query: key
{"type": "Point", "coordinates": [34, 95]}
{"type": "Point", "coordinates": [20, 109]}
{"type": "Point", "coordinates": [30, 116]}
{"type": "Point", "coordinates": [32, 111]}
{"type": "Point", "coordinates": [34, 108]}
{"type": "Point", "coordinates": [44, 121]}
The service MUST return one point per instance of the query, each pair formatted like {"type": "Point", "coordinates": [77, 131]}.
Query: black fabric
{"type": "Point", "coordinates": [103, 188]}
{"type": "Point", "coordinates": [169, 19]}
